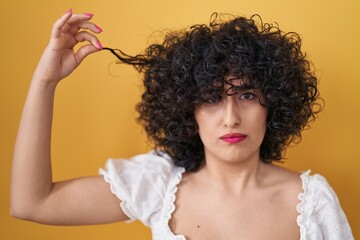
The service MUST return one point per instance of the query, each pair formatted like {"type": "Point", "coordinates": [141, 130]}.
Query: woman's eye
{"type": "Point", "coordinates": [248, 96]}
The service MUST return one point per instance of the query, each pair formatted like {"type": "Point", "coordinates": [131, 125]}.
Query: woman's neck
{"type": "Point", "coordinates": [233, 178]}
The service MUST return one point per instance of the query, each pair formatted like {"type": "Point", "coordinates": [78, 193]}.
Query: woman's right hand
{"type": "Point", "coordinates": [59, 58]}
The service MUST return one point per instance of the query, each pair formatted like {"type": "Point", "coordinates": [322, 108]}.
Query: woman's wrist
{"type": "Point", "coordinates": [43, 83]}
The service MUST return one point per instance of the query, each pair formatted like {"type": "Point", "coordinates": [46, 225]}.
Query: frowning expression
{"type": "Point", "coordinates": [232, 126]}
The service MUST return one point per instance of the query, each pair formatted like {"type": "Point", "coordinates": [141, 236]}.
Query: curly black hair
{"type": "Point", "coordinates": [189, 67]}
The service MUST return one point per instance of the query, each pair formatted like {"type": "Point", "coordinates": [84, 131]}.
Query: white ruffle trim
{"type": "Point", "coordinates": [300, 206]}
{"type": "Point", "coordinates": [170, 203]}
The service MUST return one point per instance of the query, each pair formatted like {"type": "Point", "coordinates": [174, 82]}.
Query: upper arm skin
{"type": "Point", "coordinates": [79, 201]}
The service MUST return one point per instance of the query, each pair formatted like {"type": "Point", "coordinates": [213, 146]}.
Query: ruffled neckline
{"type": "Point", "coordinates": [170, 203]}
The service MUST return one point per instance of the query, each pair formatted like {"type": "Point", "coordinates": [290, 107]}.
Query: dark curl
{"type": "Point", "coordinates": [189, 67]}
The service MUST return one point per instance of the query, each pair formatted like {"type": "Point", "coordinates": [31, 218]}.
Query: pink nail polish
{"type": "Point", "coordinates": [98, 45]}
{"type": "Point", "coordinates": [98, 28]}
{"type": "Point", "coordinates": [68, 11]}
{"type": "Point", "coordinates": [89, 14]}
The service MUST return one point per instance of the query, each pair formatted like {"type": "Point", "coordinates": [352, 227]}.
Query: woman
{"type": "Point", "coordinates": [221, 104]}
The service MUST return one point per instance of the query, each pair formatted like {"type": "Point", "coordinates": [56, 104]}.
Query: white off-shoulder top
{"type": "Point", "coordinates": [146, 185]}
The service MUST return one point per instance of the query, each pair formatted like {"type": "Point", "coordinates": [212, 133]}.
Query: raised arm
{"type": "Point", "coordinates": [34, 196]}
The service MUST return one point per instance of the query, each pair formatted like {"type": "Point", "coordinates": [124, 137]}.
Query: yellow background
{"type": "Point", "coordinates": [94, 107]}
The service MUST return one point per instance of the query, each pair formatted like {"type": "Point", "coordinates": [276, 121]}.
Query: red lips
{"type": "Point", "coordinates": [233, 138]}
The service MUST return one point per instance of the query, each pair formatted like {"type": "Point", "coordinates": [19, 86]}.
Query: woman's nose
{"type": "Point", "coordinates": [231, 113]}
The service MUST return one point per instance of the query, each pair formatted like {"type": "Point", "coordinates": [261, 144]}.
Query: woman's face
{"type": "Point", "coordinates": [233, 127]}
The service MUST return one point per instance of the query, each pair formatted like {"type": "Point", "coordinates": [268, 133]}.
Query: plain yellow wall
{"type": "Point", "coordinates": [94, 107]}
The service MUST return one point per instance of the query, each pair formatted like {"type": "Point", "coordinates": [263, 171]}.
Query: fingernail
{"type": "Point", "coordinates": [89, 14]}
{"type": "Point", "coordinates": [98, 45]}
{"type": "Point", "coordinates": [98, 28]}
{"type": "Point", "coordinates": [68, 11]}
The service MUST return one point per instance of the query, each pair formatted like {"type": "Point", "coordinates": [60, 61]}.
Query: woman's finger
{"type": "Point", "coordinates": [86, 36]}
{"type": "Point", "coordinates": [85, 25]}
{"type": "Point", "coordinates": [75, 19]}
{"type": "Point", "coordinates": [60, 23]}
{"type": "Point", "coordinates": [85, 51]}
{"type": "Point", "coordinates": [80, 17]}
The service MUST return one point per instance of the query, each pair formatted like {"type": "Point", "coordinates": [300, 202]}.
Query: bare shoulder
{"type": "Point", "coordinates": [284, 180]}
{"type": "Point", "coordinates": [280, 173]}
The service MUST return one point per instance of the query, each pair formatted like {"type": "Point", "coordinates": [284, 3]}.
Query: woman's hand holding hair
{"type": "Point", "coordinates": [59, 58]}
{"type": "Point", "coordinates": [34, 195]}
